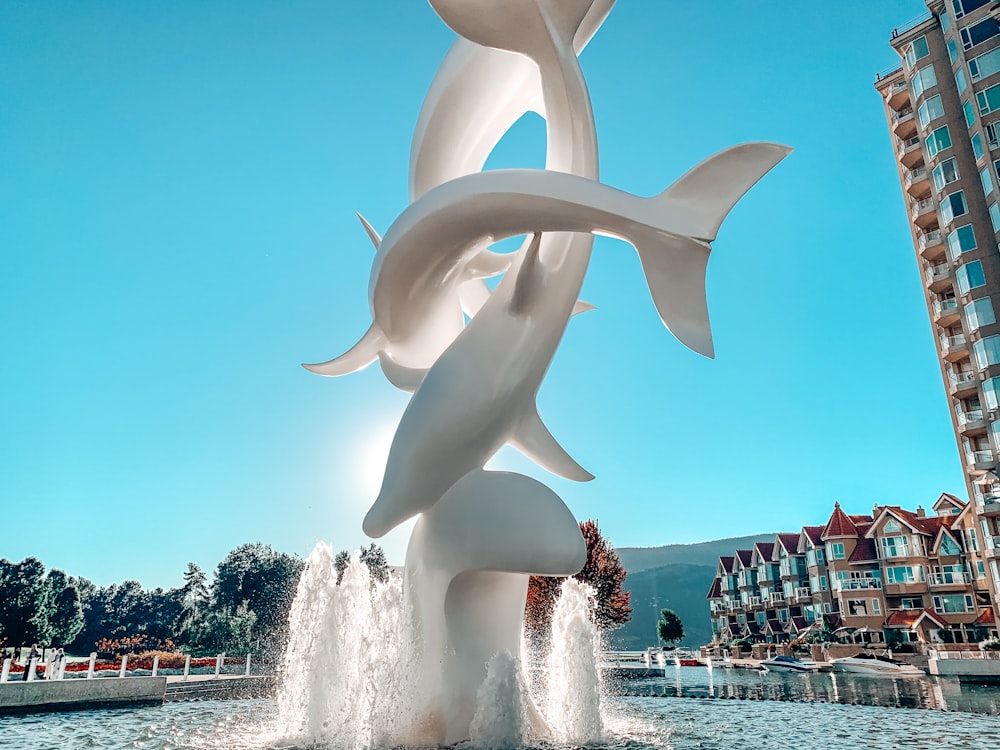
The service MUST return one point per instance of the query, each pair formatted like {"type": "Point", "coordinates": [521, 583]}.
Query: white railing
{"type": "Point", "coordinates": [948, 579]}
{"type": "Point", "coordinates": [923, 206]}
{"type": "Point", "coordinates": [902, 114]}
{"type": "Point", "coordinates": [977, 654]}
{"type": "Point", "coordinates": [803, 592]}
{"type": "Point", "coordinates": [953, 342]}
{"type": "Point", "coordinates": [968, 417]}
{"type": "Point", "coordinates": [777, 597]}
{"type": "Point", "coordinates": [929, 239]}
{"type": "Point", "coordinates": [961, 378]}
{"type": "Point", "coordinates": [756, 601]}
{"type": "Point", "coordinates": [905, 145]}
{"type": "Point", "coordinates": [55, 669]}
{"type": "Point", "coordinates": [978, 457]}
{"type": "Point", "coordinates": [856, 584]}
{"type": "Point", "coordinates": [941, 306]}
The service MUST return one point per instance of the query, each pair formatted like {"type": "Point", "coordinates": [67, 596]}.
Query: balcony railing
{"type": "Point", "coordinates": [979, 457]}
{"type": "Point", "coordinates": [942, 306]}
{"type": "Point", "coordinates": [936, 272]}
{"type": "Point", "coordinates": [905, 145]}
{"type": "Point", "coordinates": [922, 206]}
{"type": "Point", "coordinates": [948, 579]}
{"type": "Point", "coordinates": [902, 114]}
{"type": "Point", "coordinates": [756, 601]}
{"type": "Point", "coordinates": [970, 417]}
{"type": "Point", "coordinates": [954, 342]}
{"type": "Point", "coordinates": [857, 584]}
{"type": "Point", "coordinates": [803, 592]}
{"type": "Point", "coordinates": [932, 238]}
{"type": "Point", "coordinates": [961, 378]}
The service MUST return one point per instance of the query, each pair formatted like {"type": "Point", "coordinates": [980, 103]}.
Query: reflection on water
{"type": "Point", "coordinates": [777, 711]}
{"type": "Point", "coordinates": [824, 687]}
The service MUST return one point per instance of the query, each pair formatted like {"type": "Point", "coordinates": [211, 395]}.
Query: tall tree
{"type": "Point", "coordinates": [26, 602]}
{"type": "Point", "coordinates": [669, 627]}
{"type": "Point", "coordinates": [602, 571]}
{"type": "Point", "coordinates": [373, 556]}
{"type": "Point", "coordinates": [66, 616]}
{"type": "Point", "coordinates": [194, 599]}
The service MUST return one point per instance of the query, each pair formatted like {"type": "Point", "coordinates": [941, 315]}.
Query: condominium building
{"type": "Point", "coordinates": [887, 577]}
{"type": "Point", "coordinates": [942, 106]}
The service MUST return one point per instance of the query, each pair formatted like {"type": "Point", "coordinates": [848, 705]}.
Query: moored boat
{"type": "Point", "coordinates": [789, 664]}
{"type": "Point", "coordinates": [877, 666]}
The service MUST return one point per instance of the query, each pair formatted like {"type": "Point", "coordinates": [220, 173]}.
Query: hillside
{"type": "Point", "coordinates": [675, 576]}
{"type": "Point", "coordinates": [638, 559]}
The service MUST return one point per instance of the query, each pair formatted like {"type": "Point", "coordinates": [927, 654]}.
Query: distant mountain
{"type": "Point", "coordinates": [638, 559]}
{"type": "Point", "coordinates": [677, 577]}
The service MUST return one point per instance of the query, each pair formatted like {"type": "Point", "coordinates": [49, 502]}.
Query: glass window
{"type": "Point", "coordinates": [984, 177]}
{"type": "Point", "coordinates": [988, 99]}
{"type": "Point", "coordinates": [970, 115]}
{"type": "Point", "coordinates": [820, 556]}
{"type": "Point", "coordinates": [966, 6]}
{"type": "Point", "coordinates": [952, 603]}
{"type": "Point", "coordinates": [991, 388]}
{"type": "Point", "coordinates": [904, 574]}
{"type": "Point", "coordinates": [895, 546]}
{"type": "Point", "coordinates": [945, 173]}
{"type": "Point", "coordinates": [993, 134]}
{"type": "Point", "coordinates": [952, 50]}
{"type": "Point", "coordinates": [994, 210]}
{"type": "Point", "coordinates": [891, 526]}
{"type": "Point", "coordinates": [823, 585]}
{"type": "Point", "coordinates": [977, 146]}
{"type": "Point", "coordinates": [953, 205]}
{"type": "Point", "coordinates": [923, 80]}
{"type": "Point", "coordinates": [960, 81]}
{"type": "Point", "coordinates": [961, 241]}
{"type": "Point", "coordinates": [945, 20]}
{"type": "Point", "coordinates": [931, 110]}
{"type": "Point", "coordinates": [973, 542]}
{"type": "Point", "coordinates": [985, 65]}
{"type": "Point", "coordinates": [970, 276]}
{"type": "Point", "coordinates": [938, 140]}
{"type": "Point", "coordinates": [987, 351]}
{"type": "Point", "coordinates": [979, 313]}
{"type": "Point", "coordinates": [980, 569]}
{"type": "Point", "coordinates": [979, 32]}
{"type": "Point", "coordinates": [837, 548]}
{"type": "Point", "coordinates": [949, 547]}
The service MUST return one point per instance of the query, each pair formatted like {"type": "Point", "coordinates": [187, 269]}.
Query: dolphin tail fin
{"type": "Point", "coordinates": [375, 237]}
{"type": "Point", "coordinates": [675, 262]}
{"type": "Point", "coordinates": [356, 358]}
{"type": "Point", "coordinates": [709, 190]}
{"type": "Point", "coordinates": [534, 440]}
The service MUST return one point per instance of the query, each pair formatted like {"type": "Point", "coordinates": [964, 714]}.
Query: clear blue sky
{"type": "Point", "coordinates": [178, 183]}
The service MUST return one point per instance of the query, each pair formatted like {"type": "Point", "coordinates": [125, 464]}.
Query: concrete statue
{"type": "Point", "coordinates": [482, 533]}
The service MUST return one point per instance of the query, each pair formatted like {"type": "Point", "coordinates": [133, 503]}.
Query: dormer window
{"type": "Point", "coordinates": [891, 526]}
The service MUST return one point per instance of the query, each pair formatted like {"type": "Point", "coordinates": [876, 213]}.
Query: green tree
{"type": "Point", "coordinates": [602, 571]}
{"type": "Point", "coordinates": [263, 579]}
{"type": "Point", "coordinates": [26, 602]}
{"type": "Point", "coordinates": [340, 563]}
{"type": "Point", "coordinates": [66, 616]}
{"type": "Point", "coordinates": [194, 599]}
{"type": "Point", "coordinates": [225, 629]}
{"type": "Point", "coordinates": [669, 627]}
{"type": "Point", "coordinates": [373, 556]}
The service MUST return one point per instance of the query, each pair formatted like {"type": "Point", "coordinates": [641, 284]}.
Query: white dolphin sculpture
{"type": "Point", "coordinates": [477, 94]}
{"type": "Point", "coordinates": [480, 394]}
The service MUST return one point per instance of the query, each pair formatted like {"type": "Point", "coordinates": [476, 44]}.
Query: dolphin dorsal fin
{"type": "Point", "coordinates": [534, 440]}
{"type": "Point", "coordinates": [530, 279]}
{"type": "Point", "coordinates": [709, 190]}
{"type": "Point", "coordinates": [372, 234]}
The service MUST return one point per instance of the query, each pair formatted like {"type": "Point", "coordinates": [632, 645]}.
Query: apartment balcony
{"type": "Point", "coordinates": [944, 311]}
{"type": "Point", "coordinates": [923, 213]}
{"type": "Point", "coordinates": [980, 460]}
{"type": "Point", "coordinates": [856, 584]}
{"type": "Point", "coordinates": [954, 348]}
{"type": "Point", "coordinates": [898, 96]}
{"type": "Point", "coordinates": [756, 601]}
{"type": "Point", "coordinates": [949, 580]}
{"type": "Point", "coordinates": [909, 152]}
{"type": "Point", "coordinates": [971, 422]}
{"type": "Point", "coordinates": [931, 244]}
{"type": "Point", "coordinates": [903, 589]}
{"type": "Point", "coordinates": [776, 597]}
{"type": "Point", "coordinates": [989, 506]}
{"type": "Point", "coordinates": [917, 182]}
{"type": "Point", "coordinates": [961, 382]}
{"type": "Point", "coordinates": [992, 546]}
{"type": "Point", "coordinates": [904, 123]}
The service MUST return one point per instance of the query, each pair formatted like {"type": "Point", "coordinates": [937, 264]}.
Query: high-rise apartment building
{"type": "Point", "coordinates": [942, 105]}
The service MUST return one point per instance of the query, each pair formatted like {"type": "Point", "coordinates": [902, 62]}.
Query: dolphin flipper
{"type": "Point", "coordinates": [534, 440]}
{"type": "Point", "coordinates": [356, 358]}
{"type": "Point", "coordinates": [404, 378]}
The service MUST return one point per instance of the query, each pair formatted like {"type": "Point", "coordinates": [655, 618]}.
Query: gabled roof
{"type": "Point", "coordinates": [745, 556]}
{"type": "Point", "coordinates": [790, 542]}
{"type": "Point", "coordinates": [726, 563]}
{"type": "Point", "coordinates": [840, 524]}
{"type": "Point", "coordinates": [948, 501]}
{"type": "Point", "coordinates": [935, 547]}
{"type": "Point", "coordinates": [752, 628]}
{"type": "Point", "coordinates": [813, 534]}
{"type": "Point", "coordinates": [864, 551]}
{"type": "Point", "coordinates": [910, 618]}
{"type": "Point", "coordinates": [716, 591]}
{"type": "Point", "coordinates": [928, 525]}
{"type": "Point", "coordinates": [763, 550]}
{"type": "Point", "coordinates": [774, 627]}
{"type": "Point", "coordinates": [796, 624]}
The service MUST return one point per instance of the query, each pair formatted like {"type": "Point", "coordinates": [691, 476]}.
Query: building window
{"type": "Point", "coordinates": [970, 114]}
{"type": "Point", "coordinates": [904, 574]}
{"type": "Point", "coordinates": [970, 276]}
{"type": "Point", "coordinates": [987, 351]}
{"type": "Point", "coordinates": [837, 550]}
{"type": "Point", "coordinates": [993, 134]}
{"type": "Point", "coordinates": [966, 6]}
{"type": "Point", "coordinates": [960, 81]}
{"type": "Point", "coordinates": [977, 146]}
{"type": "Point", "coordinates": [931, 110]}
{"type": "Point", "coordinates": [953, 603]}
{"type": "Point", "coordinates": [990, 390]}
{"type": "Point", "coordinates": [988, 99]}
{"type": "Point", "coordinates": [945, 173]}
{"type": "Point", "coordinates": [938, 140]}
{"type": "Point", "coordinates": [984, 65]}
{"type": "Point", "coordinates": [952, 51]}
{"type": "Point", "coordinates": [980, 569]}
{"type": "Point", "coordinates": [953, 205]}
{"type": "Point", "coordinates": [895, 546]}
{"type": "Point", "coordinates": [923, 80]}
{"type": "Point", "coordinates": [911, 603]}
{"type": "Point", "coordinates": [994, 215]}
{"type": "Point", "coordinates": [979, 313]}
{"type": "Point", "coordinates": [978, 33]}
{"type": "Point", "coordinates": [823, 585]}
{"type": "Point", "coordinates": [857, 607]}
{"type": "Point", "coordinates": [876, 607]}
{"type": "Point", "coordinates": [984, 177]}
{"type": "Point", "coordinates": [973, 541]}
{"type": "Point", "coordinates": [949, 547]}
{"type": "Point", "coordinates": [917, 51]}
{"type": "Point", "coordinates": [820, 556]}
{"type": "Point", "coordinates": [945, 20]}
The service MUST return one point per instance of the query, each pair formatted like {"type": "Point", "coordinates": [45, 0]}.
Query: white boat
{"type": "Point", "coordinates": [789, 664]}
{"type": "Point", "coordinates": [878, 666]}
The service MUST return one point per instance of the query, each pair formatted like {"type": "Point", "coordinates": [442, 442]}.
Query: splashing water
{"type": "Point", "coordinates": [351, 676]}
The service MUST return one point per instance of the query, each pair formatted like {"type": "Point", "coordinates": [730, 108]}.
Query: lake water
{"type": "Point", "coordinates": [725, 709]}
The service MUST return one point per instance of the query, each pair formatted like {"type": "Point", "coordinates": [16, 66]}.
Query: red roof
{"type": "Point", "coordinates": [727, 563]}
{"type": "Point", "coordinates": [745, 555]}
{"type": "Point", "coordinates": [815, 533]}
{"type": "Point", "coordinates": [716, 591]}
{"type": "Point", "coordinates": [789, 541]}
{"type": "Point", "coordinates": [765, 549]}
{"type": "Point", "coordinates": [839, 524]}
{"type": "Point", "coordinates": [864, 551]}
{"type": "Point", "coordinates": [986, 618]}
{"type": "Point", "coordinates": [908, 618]}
